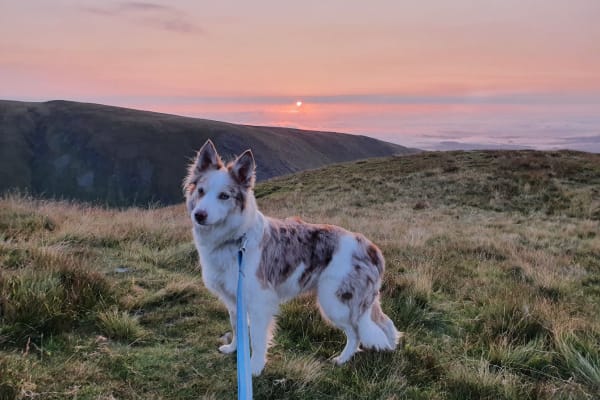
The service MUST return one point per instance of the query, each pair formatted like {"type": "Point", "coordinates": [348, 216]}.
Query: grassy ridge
{"type": "Point", "coordinates": [493, 272]}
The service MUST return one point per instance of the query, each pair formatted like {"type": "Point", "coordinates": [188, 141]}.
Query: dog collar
{"type": "Point", "coordinates": [240, 242]}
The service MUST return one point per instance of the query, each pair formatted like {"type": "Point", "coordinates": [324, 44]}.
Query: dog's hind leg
{"type": "Point", "coordinates": [351, 345]}
{"type": "Point", "coordinates": [386, 324]}
{"type": "Point", "coordinates": [338, 314]}
{"type": "Point", "coordinates": [376, 335]}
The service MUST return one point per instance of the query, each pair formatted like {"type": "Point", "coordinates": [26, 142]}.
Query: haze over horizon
{"type": "Point", "coordinates": [495, 73]}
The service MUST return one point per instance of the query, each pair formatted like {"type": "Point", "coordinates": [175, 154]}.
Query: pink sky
{"type": "Point", "coordinates": [497, 71]}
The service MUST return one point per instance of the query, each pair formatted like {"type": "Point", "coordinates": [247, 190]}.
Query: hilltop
{"type": "Point", "coordinates": [119, 156]}
{"type": "Point", "coordinates": [492, 272]}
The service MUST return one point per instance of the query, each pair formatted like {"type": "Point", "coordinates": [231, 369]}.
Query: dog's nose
{"type": "Point", "coordinates": [200, 217]}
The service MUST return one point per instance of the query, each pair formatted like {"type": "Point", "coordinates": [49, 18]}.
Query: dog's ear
{"type": "Point", "coordinates": [243, 169]}
{"type": "Point", "coordinates": [207, 158]}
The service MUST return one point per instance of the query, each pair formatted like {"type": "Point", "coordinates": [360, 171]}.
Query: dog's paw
{"type": "Point", "coordinates": [228, 348]}
{"type": "Point", "coordinates": [256, 366]}
{"type": "Point", "coordinates": [226, 338]}
{"type": "Point", "coordinates": [345, 356]}
{"type": "Point", "coordinates": [338, 361]}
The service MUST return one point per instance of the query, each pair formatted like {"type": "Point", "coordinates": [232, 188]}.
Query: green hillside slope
{"type": "Point", "coordinates": [119, 156]}
{"type": "Point", "coordinates": [492, 272]}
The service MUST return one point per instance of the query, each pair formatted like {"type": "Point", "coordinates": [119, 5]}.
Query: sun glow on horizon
{"type": "Point", "coordinates": [529, 71]}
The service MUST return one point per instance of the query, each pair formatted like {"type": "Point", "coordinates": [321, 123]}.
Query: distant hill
{"type": "Point", "coordinates": [120, 156]}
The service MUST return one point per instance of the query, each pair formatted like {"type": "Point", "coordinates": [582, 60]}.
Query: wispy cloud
{"type": "Point", "coordinates": [149, 14]}
{"type": "Point", "coordinates": [143, 6]}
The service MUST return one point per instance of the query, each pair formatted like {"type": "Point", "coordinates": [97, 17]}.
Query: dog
{"type": "Point", "coordinates": [283, 259]}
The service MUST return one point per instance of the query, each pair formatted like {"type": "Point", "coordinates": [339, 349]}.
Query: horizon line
{"type": "Point", "coordinates": [473, 98]}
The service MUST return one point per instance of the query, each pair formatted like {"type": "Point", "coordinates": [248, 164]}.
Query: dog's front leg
{"type": "Point", "coordinates": [260, 334]}
{"type": "Point", "coordinates": [261, 311]}
{"type": "Point", "coordinates": [231, 347]}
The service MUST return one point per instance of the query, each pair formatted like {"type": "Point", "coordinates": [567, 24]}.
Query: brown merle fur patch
{"type": "Point", "coordinates": [368, 253]}
{"type": "Point", "coordinates": [377, 314]}
{"type": "Point", "coordinates": [361, 287]}
{"type": "Point", "coordinates": [288, 243]}
{"type": "Point", "coordinates": [239, 195]}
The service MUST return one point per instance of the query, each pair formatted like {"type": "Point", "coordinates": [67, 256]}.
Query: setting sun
{"type": "Point", "coordinates": [298, 103]}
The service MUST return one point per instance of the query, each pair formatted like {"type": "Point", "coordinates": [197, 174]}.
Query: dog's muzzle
{"type": "Point", "coordinates": [200, 217]}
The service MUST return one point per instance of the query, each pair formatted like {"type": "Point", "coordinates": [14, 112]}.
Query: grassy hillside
{"type": "Point", "coordinates": [493, 272]}
{"type": "Point", "coordinates": [119, 156]}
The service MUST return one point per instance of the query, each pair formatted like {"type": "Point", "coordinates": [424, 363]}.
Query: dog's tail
{"type": "Point", "coordinates": [376, 330]}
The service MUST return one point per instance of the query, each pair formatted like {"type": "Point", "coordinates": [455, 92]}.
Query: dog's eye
{"type": "Point", "coordinates": [201, 191]}
{"type": "Point", "coordinates": [223, 196]}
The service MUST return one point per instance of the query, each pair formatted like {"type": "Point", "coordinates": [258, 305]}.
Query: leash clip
{"type": "Point", "coordinates": [244, 242]}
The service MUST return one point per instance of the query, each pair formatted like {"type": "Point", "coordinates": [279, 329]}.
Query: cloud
{"type": "Point", "coordinates": [180, 25]}
{"type": "Point", "coordinates": [150, 14]}
{"type": "Point", "coordinates": [99, 11]}
{"type": "Point", "coordinates": [143, 6]}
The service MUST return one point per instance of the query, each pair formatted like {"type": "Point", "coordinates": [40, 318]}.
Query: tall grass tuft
{"type": "Point", "coordinates": [50, 297]}
{"type": "Point", "coordinates": [580, 358]}
{"type": "Point", "coordinates": [119, 325]}
{"type": "Point", "coordinates": [530, 359]}
{"type": "Point", "coordinates": [474, 379]}
{"type": "Point", "coordinates": [510, 321]}
{"type": "Point", "coordinates": [19, 225]}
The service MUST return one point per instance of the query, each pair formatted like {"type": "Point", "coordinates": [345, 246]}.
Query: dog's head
{"type": "Point", "coordinates": [215, 191]}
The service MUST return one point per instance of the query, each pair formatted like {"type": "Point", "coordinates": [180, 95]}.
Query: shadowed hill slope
{"type": "Point", "coordinates": [121, 156]}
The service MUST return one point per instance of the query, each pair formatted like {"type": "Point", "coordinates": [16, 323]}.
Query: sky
{"type": "Point", "coordinates": [428, 74]}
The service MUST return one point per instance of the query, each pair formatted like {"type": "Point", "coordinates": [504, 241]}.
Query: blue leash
{"type": "Point", "coordinates": [244, 376]}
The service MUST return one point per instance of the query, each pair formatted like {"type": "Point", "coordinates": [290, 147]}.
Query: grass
{"type": "Point", "coordinates": [120, 325]}
{"type": "Point", "coordinates": [493, 273]}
